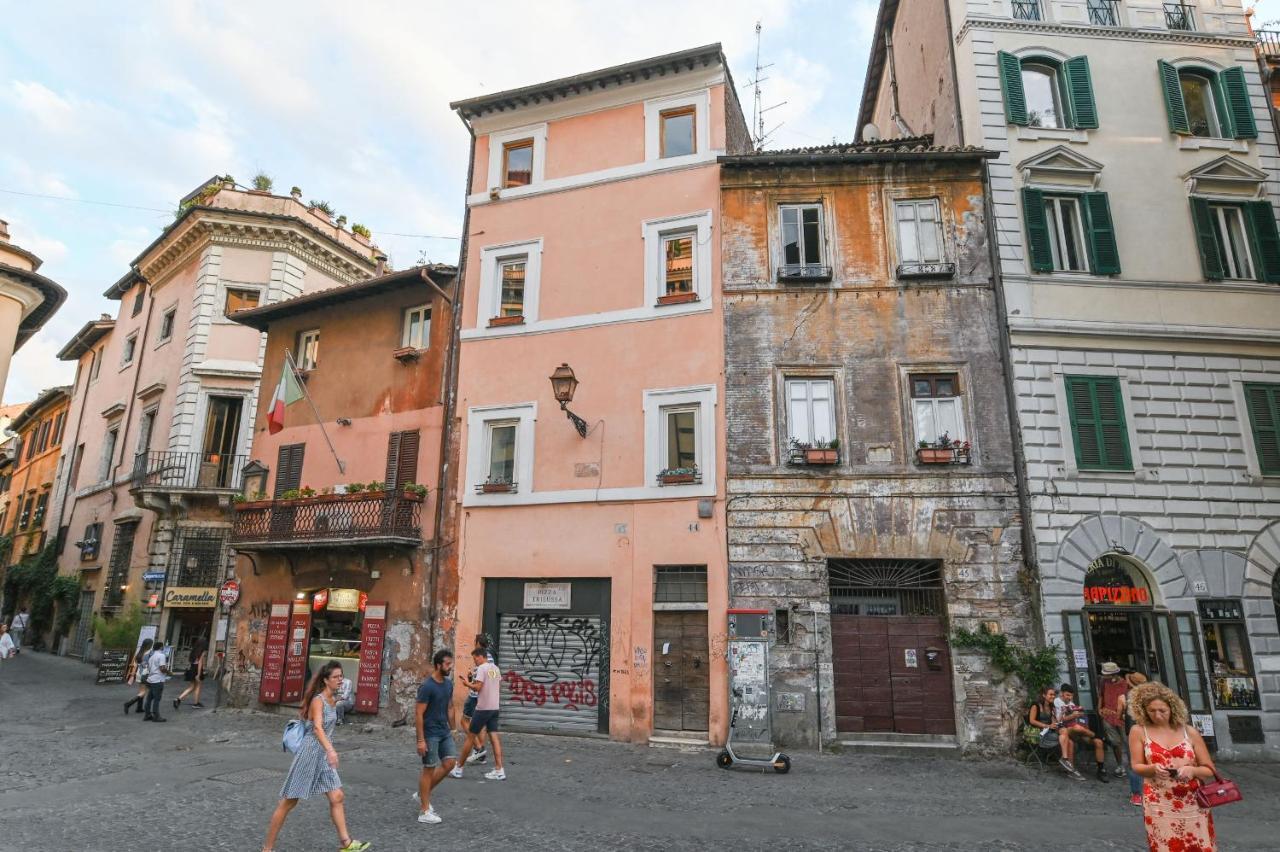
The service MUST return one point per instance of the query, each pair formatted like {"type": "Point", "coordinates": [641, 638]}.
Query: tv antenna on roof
{"type": "Point", "coordinates": [759, 137]}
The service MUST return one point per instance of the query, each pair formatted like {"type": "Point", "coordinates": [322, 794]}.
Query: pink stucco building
{"type": "Point", "coordinates": [164, 399]}
{"type": "Point", "coordinates": [597, 561]}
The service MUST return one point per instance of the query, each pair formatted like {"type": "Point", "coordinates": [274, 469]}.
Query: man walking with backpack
{"type": "Point", "coordinates": [156, 672]}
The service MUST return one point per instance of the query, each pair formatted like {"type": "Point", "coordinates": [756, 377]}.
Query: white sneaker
{"type": "Point", "coordinates": [456, 772]}
{"type": "Point", "coordinates": [496, 775]}
{"type": "Point", "coordinates": [429, 817]}
{"type": "Point", "coordinates": [478, 756]}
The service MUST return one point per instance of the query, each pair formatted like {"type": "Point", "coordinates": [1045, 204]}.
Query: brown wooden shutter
{"type": "Point", "coordinates": [288, 468]}
{"type": "Point", "coordinates": [402, 459]}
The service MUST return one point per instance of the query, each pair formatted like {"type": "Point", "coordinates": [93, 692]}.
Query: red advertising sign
{"type": "Point", "coordinates": [295, 653]}
{"type": "Point", "coordinates": [372, 637]}
{"type": "Point", "coordinates": [273, 653]}
{"type": "Point", "coordinates": [229, 594]}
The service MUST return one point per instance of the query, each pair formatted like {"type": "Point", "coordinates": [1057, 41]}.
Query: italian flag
{"type": "Point", "coordinates": [287, 391]}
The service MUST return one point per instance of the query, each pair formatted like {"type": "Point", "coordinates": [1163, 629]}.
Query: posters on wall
{"type": "Point", "coordinates": [273, 653]}
{"type": "Point", "coordinates": [372, 638]}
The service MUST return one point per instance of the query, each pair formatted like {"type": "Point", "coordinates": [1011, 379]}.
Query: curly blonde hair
{"type": "Point", "coordinates": [1143, 694]}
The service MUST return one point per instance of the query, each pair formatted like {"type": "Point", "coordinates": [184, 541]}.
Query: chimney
{"type": "Point", "coordinates": [382, 264]}
{"type": "Point", "coordinates": [4, 231]}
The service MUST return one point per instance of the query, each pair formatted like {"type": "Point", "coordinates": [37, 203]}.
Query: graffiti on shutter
{"type": "Point", "coordinates": [551, 678]}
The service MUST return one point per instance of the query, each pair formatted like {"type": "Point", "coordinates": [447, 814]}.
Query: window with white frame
{"type": "Point", "coordinates": [511, 278]}
{"type": "Point", "coordinates": [677, 127]}
{"type": "Point", "coordinates": [937, 408]}
{"type": "Point", "coordinates": [811, 411]}
{"type": "Point", "coordinates": [130, 347]}
{"type": "Point", "coordinates": [416, 333]}
{"type": "Point", "coordinates": [802, 235]}
{"type": "Point", "coordinates": [680, 438]}
{"type": "Point", "coordinates": [677, 266]}
{"type": "Point", "coordinates": [1231, 234]}
{"type": "Point", "coordinates": [1066, 233]}
{"type": "Point", "coordinates": [919, 231]}
{"type": "Point", "coordinates": [308, 349]}
{"type": "Point", "coordinates": [517, 158]}
{"type": "Point", "coordinates": [677, 131]}
{"type": "Point", "coordinates": [500, 450]}
{"type": "Point", "coordinates": [97, 363]}
{"type": "Point", "coordinates": [517, 163]}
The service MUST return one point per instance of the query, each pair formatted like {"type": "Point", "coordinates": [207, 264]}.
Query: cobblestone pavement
{"type": "Point", "coordinates": [75, 774]}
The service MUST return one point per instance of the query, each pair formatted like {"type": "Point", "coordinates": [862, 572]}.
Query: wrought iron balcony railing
{"type": "Point", "coordinates": [1104, 13]}
{"type": "Point", "coordinates": [1269, 42]}
{"type": "Point", "coordinates": [1027, 10]}
{"type": "Point", "coordinates": [187, 471]}
{"type": "Point", "coordinates": [332, 520]}
{"type": "Point", "coordinates": [1179, 16]}
{"type": "Point", "coordinates": [803, 273]}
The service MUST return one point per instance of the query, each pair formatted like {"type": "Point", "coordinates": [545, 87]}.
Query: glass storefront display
{"type": "Point", "coordinates": [1226, 645]}
{"type": "Point", "coordinates": [337, 617]}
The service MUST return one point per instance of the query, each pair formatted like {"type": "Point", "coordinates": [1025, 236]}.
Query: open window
{"type": "Point", "coordinates": [680, 443]}
{"type": "Point", "coordinates": [1070, 232]}
{"type": "Point", "coordinates": [937, 413]}
{"type": "Point", "coordinates": [1237, 240]}
{"type": "Point", "coordinates": [803, 244]}
{"type": "Point", "coordinates": [241, 299]}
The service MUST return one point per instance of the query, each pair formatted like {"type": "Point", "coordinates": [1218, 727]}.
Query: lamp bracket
{"type": "Point", "coordinates": [578, 422]}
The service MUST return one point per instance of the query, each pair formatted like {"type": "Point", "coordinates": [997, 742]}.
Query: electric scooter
{"type": "Point", "coordinates": [780, 763]}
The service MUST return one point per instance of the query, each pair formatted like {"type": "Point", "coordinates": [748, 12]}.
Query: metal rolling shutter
{"type": "Point", "coordinates": [551, 671]}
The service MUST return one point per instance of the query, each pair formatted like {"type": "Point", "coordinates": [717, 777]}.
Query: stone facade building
{"type": "Point", "coordinates": [872, 500]}
{"type": "Point", "coordinates": [1134, 193]}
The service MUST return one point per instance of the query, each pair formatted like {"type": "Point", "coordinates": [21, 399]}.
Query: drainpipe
{"type": "Point", "coordinates": [449, 439]}
{"type": "Point", "coordinates": [1029, 555]}
{"type": "Point", "coordinates": [898, 121]}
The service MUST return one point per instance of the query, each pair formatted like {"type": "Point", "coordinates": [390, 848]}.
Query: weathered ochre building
{"type": "Point", "coordinates": [872, 499]}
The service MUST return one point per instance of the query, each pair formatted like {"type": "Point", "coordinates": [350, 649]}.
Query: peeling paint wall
{"type": "Point", "coordinates": [867, 330]}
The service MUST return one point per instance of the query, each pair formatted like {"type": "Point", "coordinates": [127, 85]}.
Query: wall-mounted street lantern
{"type": "Point", "coordinates": [563, 385]}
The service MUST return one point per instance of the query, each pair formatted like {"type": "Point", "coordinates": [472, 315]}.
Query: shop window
{"type": "Point", "coordinates": [337, 619]}
{"type": "Point", "coordinates": [308, 349]}
{"type": "Point", "coordinates": [1226, 645]}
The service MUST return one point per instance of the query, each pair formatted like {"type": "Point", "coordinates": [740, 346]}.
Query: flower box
{"type": "Point", "coordinates": [413, 496]}
{"type": "Point", "coordinates": [497, 322]}
{"type": "Point", "coordinates": [679, 477]}
{"type": "Point", "coordinates": [955, 454]}
{"type": "Point", "coordinates": [677, 298]}
{"type": "Point", "coordinates": [496, 488]}
{"type": "Point", "coordinates": [405, 354]}
{"type": "Point", "coordinates": [821, 456]}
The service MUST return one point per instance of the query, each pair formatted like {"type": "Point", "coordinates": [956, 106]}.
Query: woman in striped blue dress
{"type": "Point", "coordinates": [315, 766]}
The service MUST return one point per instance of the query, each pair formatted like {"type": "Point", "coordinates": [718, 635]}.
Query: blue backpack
{"type": "Point", "coordinates": [294, 734]}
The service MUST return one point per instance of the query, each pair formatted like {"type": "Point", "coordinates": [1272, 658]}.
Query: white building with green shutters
{"type": "Point", "coordinates": [1134, 205]}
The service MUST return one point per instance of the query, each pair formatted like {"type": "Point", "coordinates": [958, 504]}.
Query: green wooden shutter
{"type": "Point", "coordinates": [1235, 93]}
{"type": "Point", "coordinates": [1264, 419]}
{"type": "Point", "coordinates": [1210, 257]}
{"type": "Point", "coordinates": [1266, 241]}
{"type": "Point", "coordinates": [1104, 256]}
{"type": "Point", "coordinates": [1097, 423]}
{"type": "Point", "coordinates": [1015, 99]}
{"type": "Point", "coordinates": [1038, 247]}
{"type": "Point", "coordinates": [1173, 103]}
{"type": "Point", "coordinates": [1084, 112]}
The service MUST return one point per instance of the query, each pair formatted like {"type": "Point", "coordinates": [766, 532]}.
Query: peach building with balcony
{"type": "Point", "coordinates": [592, 545]}
{"type": "Point", "coordinates": [165, 395]}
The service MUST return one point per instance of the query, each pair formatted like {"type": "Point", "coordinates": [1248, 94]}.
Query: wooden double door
{"type": "Point", "coordinates": [681, 671]}
{"type": "Point", "coordinates": [892, 674]}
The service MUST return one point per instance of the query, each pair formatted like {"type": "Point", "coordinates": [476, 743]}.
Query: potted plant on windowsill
{"type": "Point", "coordinates": [414, 493]}
{"type": "Point", "coordinates": [496, 486]}
{"type": "Point", "coordinates": [679, 476]}
{"type": "Point", "coordinates": [819, 452]}
{"type": "Point", "coordinates": [943, 451]}
{"type": "Point", "coordinates": [495, 322]}
{"type": "Point", "coordinates": [678, 298]}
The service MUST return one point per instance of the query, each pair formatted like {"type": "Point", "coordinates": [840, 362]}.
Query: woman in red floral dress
{"type": "Point", "coordinates": [1174, 762]}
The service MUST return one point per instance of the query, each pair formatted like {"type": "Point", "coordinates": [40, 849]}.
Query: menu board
{"type": "Point", "coordinates": [273, 653]}
{"type": "Point", "coordinates": [113, 666]}
{"type": "Point", "coordinates": [295, 653]}
{"type": "Point", "coordinates": [372, 638]}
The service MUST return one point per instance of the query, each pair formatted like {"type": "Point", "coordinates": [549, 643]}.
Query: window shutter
{"type": "Point", "coordinates": [1264, 418]}
{"type": "Point", "coordinates": [1173, 103]}
{"type": "Point", "coordinates": [1084, 111]}
{"type": "Point", "coordinates": [1210, 258]}
{"type": "Point", "coordinates": [1235, 92]}
{"type": "Point", "coordinates": [407, 464]}
{"type": "Point", "coordinates": [1038, 248]}
{"type": "Point", "coordinates": [1097, 423]}
{"type": "Point", "coordinates": [288, 468]}
{"type": "Point", "coordinates": [1266, 240]}
{"type": "Point", "coordinates": [393, 459]}
{"type": "Point", "coordinates": [1015, 99]}
{"type": "Point", "coordinates": [1104, 256]}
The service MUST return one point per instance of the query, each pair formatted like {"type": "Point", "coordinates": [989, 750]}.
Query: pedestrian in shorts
{"type": "Point", "coordinates": [435, 719]}
{"type": "Point", "coordinates": [487, 683]}
{"type": "Point", "coordinates": [481, 754]}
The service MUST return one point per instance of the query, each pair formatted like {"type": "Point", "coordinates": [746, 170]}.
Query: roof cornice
{"type": "Point", "coordinates": [83, 341]}
{"type": "Point", "coordinates": [1120, 33]}
{"type": "Point", "coordinates": [51, 297]}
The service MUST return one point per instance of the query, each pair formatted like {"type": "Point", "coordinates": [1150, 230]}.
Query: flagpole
{"type": "Point", "coordinates": [288, 357]}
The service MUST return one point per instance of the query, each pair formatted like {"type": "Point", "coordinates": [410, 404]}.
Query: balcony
{"type": "Point", "coordinates": [1269, 43]}
{"type": "Point", "coordinates": [1027, 10]}
{"type": "Point", "coordinates": [804, 273]}
{"type": "Point", "coordinates": [329, 520]}
{"type": "Point", "coordinates": [1104, 13]}
{"type": "Point", "coordinates": [1179, 16]}
{"type": "Point", "coordinates": [191, 472]}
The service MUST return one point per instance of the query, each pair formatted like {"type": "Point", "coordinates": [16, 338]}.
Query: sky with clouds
{"type": "Point", "coordinates": [127, 107]}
